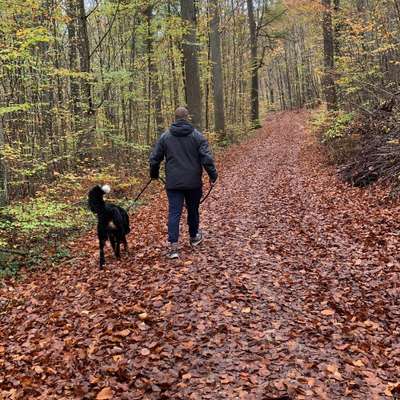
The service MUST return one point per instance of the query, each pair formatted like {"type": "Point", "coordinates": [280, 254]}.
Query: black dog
{"type": "Point", "coordinates": [112, 222]}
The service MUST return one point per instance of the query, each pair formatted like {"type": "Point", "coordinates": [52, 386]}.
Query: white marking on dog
{"type": "Point", "coordinates": [106, 189]}
{"type": "Point", "coordinates": [111, 225]}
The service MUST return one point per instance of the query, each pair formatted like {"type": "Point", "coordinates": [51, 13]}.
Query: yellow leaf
{"type": "Point", "coordinates": [327, 312]}
{"type": "Point", "coordinates": [186, 377]}
{"type": "Point", "coordinates": [358, 363]}
{"type": "Point", "coordinates": [246, 310]}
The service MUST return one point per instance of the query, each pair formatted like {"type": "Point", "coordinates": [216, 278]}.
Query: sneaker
{"type": "Point", "coordinates": [173, 251]}
{"type": "Point", "coordinates": [195, 241]}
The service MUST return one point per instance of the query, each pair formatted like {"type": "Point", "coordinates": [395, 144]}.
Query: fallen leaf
{"type": "Point", "coordinates": [145, 352]}
{"type": "Point", "coordinates": [143, 316]}
{"type": "Point", "coordinates": [358, 363]}
{"type": "Point", "coordinates": [105, 394]}
{"type": "Point", "coordinates": [124, 333]}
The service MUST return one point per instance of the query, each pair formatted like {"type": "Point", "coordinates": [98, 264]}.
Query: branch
{"type": "Point", "coordinates": [9, 251]}
{"type": "Point", "coordinates": [94, 9]}
{"type": "Point", "coordinates": [270, 21]}
{"type": "Point", "coordinates": [108, 30]}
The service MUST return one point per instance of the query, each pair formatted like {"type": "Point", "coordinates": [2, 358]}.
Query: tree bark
{"type": "Point", "coordinates": [218, 81]}
{"type": "Point", "coordinates": [192, 73]}
{"type": "Point", "coordinates": [255, 113]}
{"type": "Point", "coordinates": [154, 88]}
{"type": "Point", "coordinates": [84, 51]}
{"type": "Point", "coordinates": [3, 170]}
{"type": "Point", "coordinates": [86, 142]}
{"type": "Point", "coordinates": [329, 64]}
{"type": "Point", "coordinates": [72, 58]}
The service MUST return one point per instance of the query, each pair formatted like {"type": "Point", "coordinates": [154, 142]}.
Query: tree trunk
{"type": "Point", "coordinates": [84, 51]}
{"type": "Point", "coordinates": [72, 59]}
{"type": "Point", "coordinates": [3, 170]}
{"type": "Point", "coordinates": [328, 80]}
{"type": "Point", "coordinates": [154, 88]}
{"type": "Point", "coordinates": [216, 60]}
{"type": "Point", "coordinates": [192, 73]}
{"type": "Point", "coordinates": [86, 142]}
{"type": "Point", "coordinates": [255, 113]}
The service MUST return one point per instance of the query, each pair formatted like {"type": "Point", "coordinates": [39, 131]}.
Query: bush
{"type": "Point", "coordinates": [332, 131]}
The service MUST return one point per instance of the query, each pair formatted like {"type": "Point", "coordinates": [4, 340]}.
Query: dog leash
{"type": "Point", "coordinates": [208, 193]}
{"type": "Point", "coordinates": [140, 194]}
{"type": "Point", "coordinates": [204, 198]}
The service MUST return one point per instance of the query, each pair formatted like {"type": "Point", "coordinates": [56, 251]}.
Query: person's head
{"type": "Point", "coordinates": [182, 113]}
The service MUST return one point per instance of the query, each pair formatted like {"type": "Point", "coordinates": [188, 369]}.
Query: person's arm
{"type": "Point", "coordinates": [156, 157]}
{"type": "Point", "coordinates": [206, 158]}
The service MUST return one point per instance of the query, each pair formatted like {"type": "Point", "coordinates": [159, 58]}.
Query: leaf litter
{"type": "Point", "coordinates": [294, 294]}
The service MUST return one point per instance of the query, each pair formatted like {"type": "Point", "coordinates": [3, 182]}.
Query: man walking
{"type": "Point", "coordinates": [186, 153]}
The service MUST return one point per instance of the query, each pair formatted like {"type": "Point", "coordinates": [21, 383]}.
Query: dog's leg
{"type": "Point", "coordinates": [125, 243]}
{"type": "Point", "coordinates": [113, 243]}
{"type": "Point", "coordinates": [102, 243]}
{"type": "Point", "coordinates": [118, 248]}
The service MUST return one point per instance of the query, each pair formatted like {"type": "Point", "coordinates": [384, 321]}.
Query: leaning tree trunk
{"type": "Point", "coordinates": [255, 113]}
{"type": "Point", "coordinates": [329, 64]}
{"type": "Point", "coordinates": [216, 60]}
{"type": "Point", "coordinates": [192, 73]}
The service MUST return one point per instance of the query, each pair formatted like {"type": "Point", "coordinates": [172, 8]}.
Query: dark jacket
{"type": "Point", "coordinates": [186, 152]}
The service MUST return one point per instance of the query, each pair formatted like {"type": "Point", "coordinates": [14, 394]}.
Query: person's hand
{"type": "Point", "coordinates": [154, 176]}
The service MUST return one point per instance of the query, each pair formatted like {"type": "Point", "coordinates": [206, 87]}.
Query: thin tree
{"type": "Point", "coordinates": [216, 60]}
{"type": "Point", "coordinates": [3, 170]}
{"type": "Point", "coordinates": [329, 50]}
{"type": "Point", "coordinates": [255, 112]}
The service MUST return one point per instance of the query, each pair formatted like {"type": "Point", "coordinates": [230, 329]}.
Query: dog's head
{"type": "Point", "coordinates": [96, 197]}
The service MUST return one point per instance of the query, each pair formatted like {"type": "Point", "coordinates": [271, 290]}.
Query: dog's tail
{"type": "Point", "coordinates": [95, 198]}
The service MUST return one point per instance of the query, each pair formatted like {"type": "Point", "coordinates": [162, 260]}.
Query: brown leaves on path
{"type": "Point", "coordinates": [294, 295]}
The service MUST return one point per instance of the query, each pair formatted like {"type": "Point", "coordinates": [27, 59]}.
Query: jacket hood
{"type": "Point", "coordinates": [181, 128]}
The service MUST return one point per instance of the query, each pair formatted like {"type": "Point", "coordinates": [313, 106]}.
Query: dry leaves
{"type": "Point", "coordinates": [105, 394]}
{"type": "Point", "coordinates": [294, 294]}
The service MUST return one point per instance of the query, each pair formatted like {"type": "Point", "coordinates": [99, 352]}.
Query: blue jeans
{"type": "Point", "coordinates": [176, 199]}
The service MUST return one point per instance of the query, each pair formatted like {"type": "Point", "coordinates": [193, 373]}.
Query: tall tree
{"type": "Point", "coordinates": [255, 112]}
{"type": "Point", "coordinates": [329, 56]}
{"type": "Point", "coordinates": [216, 60]}
{"type": "Point", "coordinates": [3, 170]}
{"type": "Point", "coordinates": [153, 85]}
{"type": "Point", "coordinates": [192, 71]}
{"type": "Point", "coordinates": [84, 51]}
{"type": "Point", "coordinates": [73, 58]}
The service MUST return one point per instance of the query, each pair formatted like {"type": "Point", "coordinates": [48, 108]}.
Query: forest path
{"type": "Point", "coordinates": [295, 292]}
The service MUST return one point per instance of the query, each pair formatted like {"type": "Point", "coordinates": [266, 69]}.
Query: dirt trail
{"type": "Point", "coordinates": [295, 292]}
